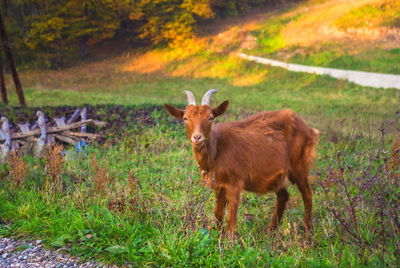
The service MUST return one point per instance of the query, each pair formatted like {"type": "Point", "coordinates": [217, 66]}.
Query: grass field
{"type": "Point", "coordinates": [354, 35]}
{"type": "Point", "coordinates": [136, 198]}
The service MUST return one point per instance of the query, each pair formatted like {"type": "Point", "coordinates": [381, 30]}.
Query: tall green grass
{"type": "Point", "coordinates": [152, 210]}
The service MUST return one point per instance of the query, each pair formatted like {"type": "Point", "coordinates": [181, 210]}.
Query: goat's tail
{"type": "Point", "coordinates": [311, 148]}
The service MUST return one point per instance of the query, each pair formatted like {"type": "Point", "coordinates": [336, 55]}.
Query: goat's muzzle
{"type": "Point", "coordinates": [197, 139]}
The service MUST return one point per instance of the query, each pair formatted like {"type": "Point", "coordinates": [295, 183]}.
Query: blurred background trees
{"type": "Point", "coordinates": [51, 33]}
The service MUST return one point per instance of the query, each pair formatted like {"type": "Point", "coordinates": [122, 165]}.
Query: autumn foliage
{"type": "Point", "coordinates": [58, 31]}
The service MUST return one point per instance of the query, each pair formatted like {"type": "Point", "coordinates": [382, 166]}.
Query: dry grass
{"type": "Point", "coordinates": [132, 183]}
{"type": "Point", "coordinates": [18, 169]}
{"type": "Point", "coordinates": [101, 178]}
{"type": "Point", "coordinates": [54, 166]}
{"type": "Point", "coordinates": [126, 198]}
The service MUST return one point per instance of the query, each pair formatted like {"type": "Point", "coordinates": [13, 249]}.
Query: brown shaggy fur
{"type": "Point", "coordinates": [259, 154]}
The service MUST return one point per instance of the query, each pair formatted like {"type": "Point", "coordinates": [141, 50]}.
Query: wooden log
{"type": "Point", "coordinates": [65, 139]}
{"type": "Point", "coordinates": [24, 127]}
{"type": "Point", "coordinates": [74, 116]}
{"type": "Point", "coordinates": [51, 130]}
{"type": "Point", "coordinates": [5, 128]}
{"type": "Point", "coordinates": [43, 133]}
{"type": "Point", "coordinates": [77, 139]}
{"type": "Point", "coordinates": [21, 142]}
{"type": "Point", "coordinates": [35, 126]}
{"type": "Point", "coordinates": [14, 146]}
{"type": "Point", "coordinates": [98, 123]}
{"type": "Point", "coordinates": [50, 140]}
{"type": "Point", "coordinates": [30, 139]}
{"type": "Point", "coordinates": [83, 117]}
{"type": "Point", "coordinates": [60, 121]}
{"type": "Point", "coordinates": [82, 134]}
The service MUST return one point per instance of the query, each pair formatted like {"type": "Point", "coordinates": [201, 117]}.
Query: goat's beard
{"type": "Point", "coordinates": [199, 145]}
{"type": "Point", "coordinates": [204, 155]}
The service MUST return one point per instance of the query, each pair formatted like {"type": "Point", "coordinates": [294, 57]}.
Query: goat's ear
{"type": "Point", "coordinates": [175, 112]}
{"type": "Point", "coordinates": [217, 111]}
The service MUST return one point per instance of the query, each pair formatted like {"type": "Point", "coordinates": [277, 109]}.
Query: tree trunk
{"type": "Point", "coordinates": [14, 74]}
{"type": "Point", "coordinates": [3, 83]}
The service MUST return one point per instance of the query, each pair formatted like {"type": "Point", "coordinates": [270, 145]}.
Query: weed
{"type": "Point", "coordinates": [18, 169]}
{"type": "Point", "coordinates": [101, 178]}
{"type": "Point", "coordinates": [132, 183]}
{"type": "Point", "coordinates": [53, 167]}
{"type": "Point", "coordinates": [359, 198]}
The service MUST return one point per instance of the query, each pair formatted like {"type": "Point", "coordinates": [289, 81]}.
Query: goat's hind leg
{"type": "Point", "coordinates": [306, 194]}
{"type": "Point", "coordinates": [282, 196]}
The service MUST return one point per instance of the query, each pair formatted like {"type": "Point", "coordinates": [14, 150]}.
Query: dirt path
{"type": "Point", "coordinates": [368, 79]}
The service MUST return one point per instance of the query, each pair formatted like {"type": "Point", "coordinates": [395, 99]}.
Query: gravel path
{"type": "Point", "coordinates": [14, 253]}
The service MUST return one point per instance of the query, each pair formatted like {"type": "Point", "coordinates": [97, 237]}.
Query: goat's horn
{"type": "Point", "coordinates": [207, 97]}
{"type": "Point", "coordinates": [190, 97]}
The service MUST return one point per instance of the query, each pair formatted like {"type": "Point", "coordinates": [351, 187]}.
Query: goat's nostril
{"type": "Point", "coordinates": [197, 137]}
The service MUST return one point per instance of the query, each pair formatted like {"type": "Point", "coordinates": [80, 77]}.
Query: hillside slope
{"type": "Point", "coordinates": [313, 33]}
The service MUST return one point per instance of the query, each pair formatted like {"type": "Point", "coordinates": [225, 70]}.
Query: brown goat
{"type": "Point", "coordinates": [262, 153]}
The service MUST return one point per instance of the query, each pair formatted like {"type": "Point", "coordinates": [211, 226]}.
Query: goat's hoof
{"type": "Point", "coordinates": [270, 229]}
{"type": "Point", "coordinates": [233, 236]}
{"type": "Point", "coordinates": [309, 229]}
{"type": "Point", "coordinates": [219, 227]}
{"type": "Point", "coordinates": [230, 235]}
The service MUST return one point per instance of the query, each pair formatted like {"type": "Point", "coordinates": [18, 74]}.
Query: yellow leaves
{"type": "Point", "coordinates": [136, 15]}
{"type": "Point", "coordinates": [201, 8]}
{"type": "Point", "coordinates": [44, 32]}
{"type": "Point", "coordinates": [172, 23]}
{"type": "Point", "coordinates": [179, 30]}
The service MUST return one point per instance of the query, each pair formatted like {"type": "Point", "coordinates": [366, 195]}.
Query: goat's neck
{"type": "Point", "coordinates": [205, 155]}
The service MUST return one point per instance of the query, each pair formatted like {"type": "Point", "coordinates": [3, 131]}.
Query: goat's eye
{"type": "Point", "coordinates": [211, 118]}
{"type": "Point", "coordinates": [185, 119]}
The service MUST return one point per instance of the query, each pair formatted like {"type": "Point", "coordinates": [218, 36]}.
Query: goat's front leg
{"type": "Point", "coordinates": [233, 198]}
{"type": "Point", "coordinates": [220, 194]}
